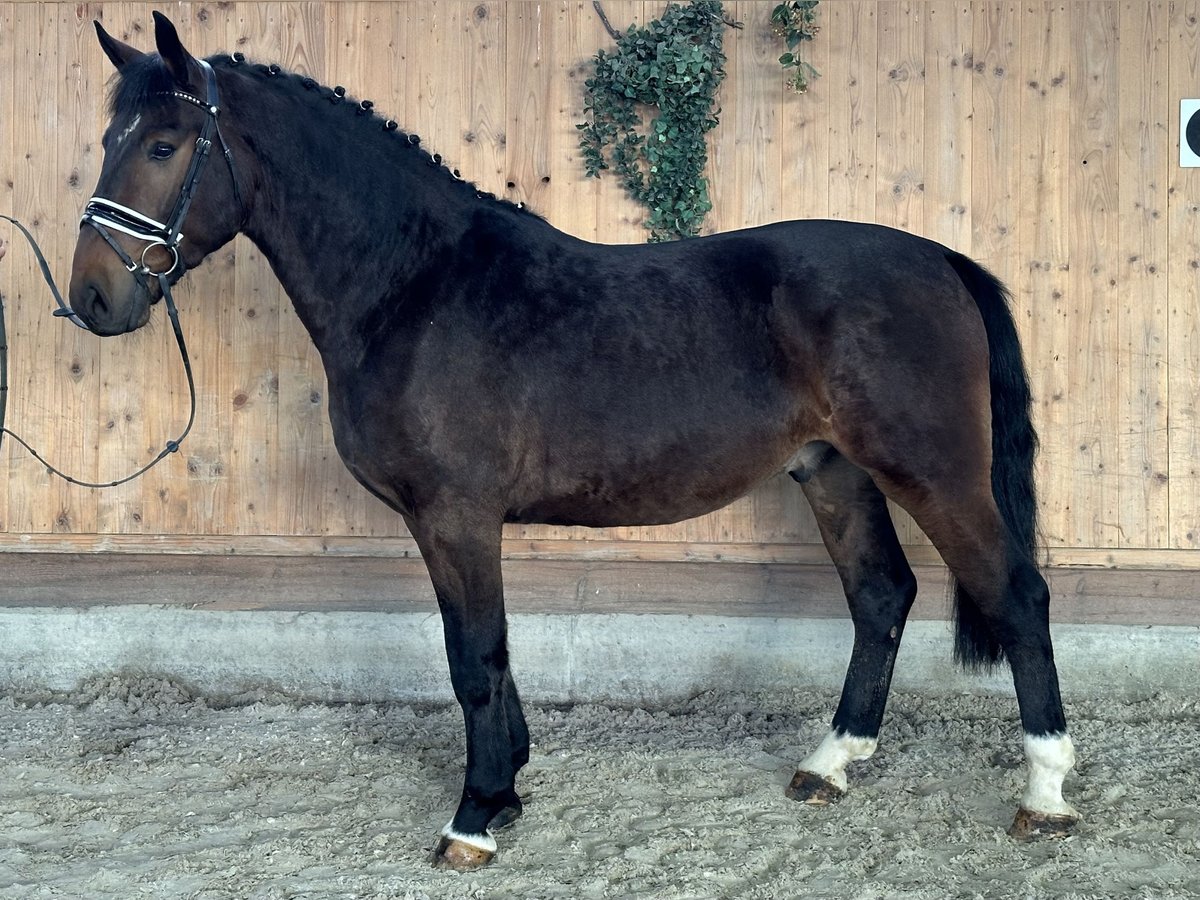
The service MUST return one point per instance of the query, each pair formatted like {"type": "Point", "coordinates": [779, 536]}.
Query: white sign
{"type": "Point", "coordinates": [1189, 133]}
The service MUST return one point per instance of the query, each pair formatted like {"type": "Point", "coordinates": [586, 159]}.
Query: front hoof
{"type": "Point", "coordinates": [1031, 826]}
{"type": "Point", "coordinates": [452, 853]}
{"type": "Point", "coordinates": [813, 789]}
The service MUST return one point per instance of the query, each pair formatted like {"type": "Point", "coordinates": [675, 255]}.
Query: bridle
{"type": "Point", "coordinates": [103, 214]}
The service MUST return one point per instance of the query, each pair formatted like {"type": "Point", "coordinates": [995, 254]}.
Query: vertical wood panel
{"type": "Point", "coordinates": [803, 129]}
{"type": "Point", "coordinates": [1142, 462]}
{"type": "Point", "coordinates": [10, 237]}
{"type": "Point", "coordinates": [247, 374]}
{"type": "Point", "coordinates": [34, 369]}
{"type": "Point", "coordinates": [1183, 329]}
{"type": "Point", "coordinates": [534, 101]}
{"type": "Point", "coordinates": [573, 201]}
{"type": "Point", "coordinates": [948, 114]}
{"type": "Point", "coordinates": [1095, 515]}
{"type": "Point", "coordinates": [852, 32]}
{"type": "Point", "coordinates": [1044, 275]}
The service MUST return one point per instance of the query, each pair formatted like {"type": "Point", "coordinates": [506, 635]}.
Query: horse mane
{"type": "Point", "coordinates": [143, 80]}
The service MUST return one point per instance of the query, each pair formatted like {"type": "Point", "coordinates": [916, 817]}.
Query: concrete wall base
{"type": "Point", "coordinates": [625, 658]}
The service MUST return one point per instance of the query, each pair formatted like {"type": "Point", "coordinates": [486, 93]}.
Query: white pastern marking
{"type": "Point", "coordinates": [835, 752]}
{"type": "Point", "coordinates": [128, 131]}
{"type": "Point", "coordinates": [1050, 758]}
{"type": "Point", "coordinates": [484, 842]}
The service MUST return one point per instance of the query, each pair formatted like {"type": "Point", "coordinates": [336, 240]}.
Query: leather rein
{"type": "Point", "coordinates": [106, 216]}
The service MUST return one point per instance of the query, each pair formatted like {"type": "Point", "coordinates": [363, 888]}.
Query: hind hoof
{"type": "Point", "coordinates": [459, 856]}
{"type": "Point", "coordinates": [505, 817]}
{"type": "Point", "coordinates": [1031, 826]}
{"type": "Point", "coordinates": [812, 789]}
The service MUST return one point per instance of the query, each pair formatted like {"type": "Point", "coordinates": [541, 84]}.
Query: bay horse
{"type": "Point", "coordinates": [484, 367]}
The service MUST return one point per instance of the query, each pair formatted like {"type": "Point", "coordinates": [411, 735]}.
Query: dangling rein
{"type": "Point", "coordinates": [64, 311]}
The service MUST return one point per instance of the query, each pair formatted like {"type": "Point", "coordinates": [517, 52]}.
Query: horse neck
{"type": "Point", "coordinates": [346, 212]}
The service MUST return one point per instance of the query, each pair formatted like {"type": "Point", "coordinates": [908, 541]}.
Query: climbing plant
{"type": "Point", "coordinates": [671, 68]}
{"type": "Point", "coordinates": [796, 22]}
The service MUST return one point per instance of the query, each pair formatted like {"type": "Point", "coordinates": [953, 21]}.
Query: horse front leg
{"type": "Point", "coordinates": [463, 558]}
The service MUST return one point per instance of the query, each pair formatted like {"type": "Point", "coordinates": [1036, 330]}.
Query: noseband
{"type": "Point", "coordinates": [103, 214]}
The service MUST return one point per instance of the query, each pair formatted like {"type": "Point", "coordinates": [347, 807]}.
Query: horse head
{"type": "Point", "coordinates": [150, 218]}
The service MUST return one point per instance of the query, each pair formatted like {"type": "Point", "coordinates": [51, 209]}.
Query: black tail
{"type": "Point", "coordinates": [1014, 446]}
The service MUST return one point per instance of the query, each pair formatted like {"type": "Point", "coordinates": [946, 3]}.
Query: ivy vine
{"type": "Point", "coordinates": [796, 22]}
{"type": "Point", "coordinates": [673, 65]}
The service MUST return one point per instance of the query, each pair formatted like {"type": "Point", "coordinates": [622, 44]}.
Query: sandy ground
{"type": "Point", "coordinates": [136, 788]}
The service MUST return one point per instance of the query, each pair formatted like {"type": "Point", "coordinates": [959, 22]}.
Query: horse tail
{"type": "Point", "coordinates": [1014, 446]}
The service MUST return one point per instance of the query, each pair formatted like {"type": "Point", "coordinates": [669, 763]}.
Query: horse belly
{"type": "Point", "coordinates": [669, 489]}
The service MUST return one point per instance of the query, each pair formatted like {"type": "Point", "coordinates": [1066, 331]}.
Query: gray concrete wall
{"type": "Point", "coordinates": [581, 657]}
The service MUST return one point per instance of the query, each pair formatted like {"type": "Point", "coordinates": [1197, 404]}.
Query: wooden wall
{"type": "Point", "coordinates": [1040, 138]}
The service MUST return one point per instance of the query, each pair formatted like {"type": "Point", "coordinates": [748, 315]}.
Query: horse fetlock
{"type": "Point", "coordinates": [1050, 757]}
{"type": "Point", "coordinates": [836, 751]}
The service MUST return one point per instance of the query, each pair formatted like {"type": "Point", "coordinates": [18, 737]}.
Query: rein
{"type": "Point", "coordinates": [103, 214]}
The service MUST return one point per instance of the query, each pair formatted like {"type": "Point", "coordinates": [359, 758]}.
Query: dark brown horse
{"type": "Point", "coordinates": [486, 368]}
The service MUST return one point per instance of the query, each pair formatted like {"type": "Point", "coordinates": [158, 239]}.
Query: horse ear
{"type": "Point", "coordinates": [120, 53]}
{"type": "Point", "coordinates": [177, 60]}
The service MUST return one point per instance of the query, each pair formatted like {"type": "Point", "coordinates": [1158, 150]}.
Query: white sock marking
{"type": "Point", "coordinates": [484, 842]}
{"type": "Point", "coordinates": [1050, 757]}
{"type": "Point", "coordinates": [835, 752]}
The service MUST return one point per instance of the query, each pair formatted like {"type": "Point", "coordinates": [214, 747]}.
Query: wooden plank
{"type": "Point", "coordinates": [248, 355]}
{"type": "Point", "coordinates": [1094, 273]}
{"type": "Point", "coordinates": [519, 546]}
{"type": "Point", "coordinates": [900, 150]}
{"type": "Point", "coordinates": [1142, 447]}
{"type": "Point", "coordinates": [1183, 324]}
{"type": "Point", "coordinates": [543, 587]}
{"type": "Point", "coordinates": [803, 130]}
{"type": "Point", "coordinates": [1043, 279]}
{"type": "Point", "coordinates": [36, 373]}
{"type": "Point", "coordinates": [948, 200]}
{"type": "Point", "coordinates": [534, 104]}
{"type": "Point", "coordinates": [572, 201]}
{"type": "Point", "coordinates": [852, 32]}
{"type": "Point", "coordinates": [749, 191]}
{"type": "Point", "coordinates": [481, 141]}
{"type": "Point", "coordinates": [9, 236]}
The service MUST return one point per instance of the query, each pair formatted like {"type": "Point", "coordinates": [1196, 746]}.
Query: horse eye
{"type": "Point", "coordinates": [162, 151]}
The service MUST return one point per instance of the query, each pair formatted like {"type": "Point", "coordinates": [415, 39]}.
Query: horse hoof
{"type": "Point", "coordinates": [813, 789]}
{"type": "Point", "coordinates": [460, 856]}
{"type": "Point", "coordinates": [1031, 826]}
{"type": "Point", "coordinates": [505, 817]}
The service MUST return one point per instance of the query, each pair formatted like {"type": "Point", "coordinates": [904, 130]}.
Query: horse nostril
{"type": "Point", "coordinates": [96, 303]}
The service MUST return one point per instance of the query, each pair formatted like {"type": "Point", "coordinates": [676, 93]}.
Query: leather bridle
{"type": "Point", "coordinates": [103, 214]}
{"type": "Point", "coordinates": [106, 216]}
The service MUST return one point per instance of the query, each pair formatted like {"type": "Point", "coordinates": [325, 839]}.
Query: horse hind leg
{"type": "Point", "coordinates": [1000, 590]}
{"type": "Point", "coordinates": [880, 589]}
